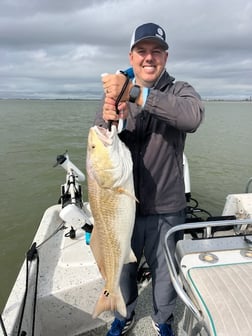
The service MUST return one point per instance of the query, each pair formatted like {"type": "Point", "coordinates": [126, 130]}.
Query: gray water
{"type": "Point", "coordinates": [34, 132]}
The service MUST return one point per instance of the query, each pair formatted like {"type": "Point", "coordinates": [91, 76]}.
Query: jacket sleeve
{"type": "Point", "coordinates": [180, 106]}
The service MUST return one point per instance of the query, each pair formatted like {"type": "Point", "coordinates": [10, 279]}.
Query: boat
{"type": "Point", "coordinates": [59, 282]}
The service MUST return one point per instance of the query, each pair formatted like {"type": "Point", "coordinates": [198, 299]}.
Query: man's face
{"type": "Point", "coordinates": [148, 60]}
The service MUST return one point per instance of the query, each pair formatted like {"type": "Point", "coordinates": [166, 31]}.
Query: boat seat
{"type": "Point", "coordinates": [213, 278]}
{"type": "Point", "coordinates": [224, 295]}
{"type": "Point", "coordinates": [217, 276]}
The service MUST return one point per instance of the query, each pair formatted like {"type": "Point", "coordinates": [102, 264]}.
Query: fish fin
{"type": "Point", "coordinates": [130, 257]}
{"type": "Point", "coordinates": [112, 302]}
{"type": "Point", "coordinates": [94, 245]}
{"type": "Point", "coordinates": [126, 192]}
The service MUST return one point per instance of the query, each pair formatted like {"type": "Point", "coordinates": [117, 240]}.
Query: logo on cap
{"type": "Point", "coordinates": [160, 33]}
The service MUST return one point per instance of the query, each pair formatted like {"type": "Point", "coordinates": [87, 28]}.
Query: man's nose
{"type": "Point", "coordinates": [148, 56]}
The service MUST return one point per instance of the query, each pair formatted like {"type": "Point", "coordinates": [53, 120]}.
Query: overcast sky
{"type": "Point", "coordinates": [59, 48]}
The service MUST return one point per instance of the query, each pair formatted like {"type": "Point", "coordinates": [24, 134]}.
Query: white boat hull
{"type": "Point", "coordinates": [68, 286]}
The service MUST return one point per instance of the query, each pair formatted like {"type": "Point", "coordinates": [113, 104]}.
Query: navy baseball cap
{"type": "Point", "coordinates": [149, 31]}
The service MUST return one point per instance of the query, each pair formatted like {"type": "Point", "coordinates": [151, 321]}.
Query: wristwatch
{"type": "Point", "coordinates": [134, 93]}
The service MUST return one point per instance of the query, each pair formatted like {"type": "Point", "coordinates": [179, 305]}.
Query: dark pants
{"type": "Point", "coordinates": [148, 239]}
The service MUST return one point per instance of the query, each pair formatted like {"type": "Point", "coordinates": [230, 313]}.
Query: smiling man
{"type": "Point", "coordinates": [148, 54]}
{"type": "Point", "coordinates": [158, 112]}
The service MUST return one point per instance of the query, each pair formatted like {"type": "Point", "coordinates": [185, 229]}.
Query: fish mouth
{"type": "Point", "coordinates": [104, 134]}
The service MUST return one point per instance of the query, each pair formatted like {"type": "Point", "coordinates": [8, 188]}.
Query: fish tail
{"type": "Point", "coordinates": [112, 302]}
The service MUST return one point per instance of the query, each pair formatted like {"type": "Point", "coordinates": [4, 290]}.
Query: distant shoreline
{"type": "Point", "coordinates": [249, 100]}
{"type": "Point", "coordinates": [52, 99]}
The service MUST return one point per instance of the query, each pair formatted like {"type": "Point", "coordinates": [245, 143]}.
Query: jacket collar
{"type": "Point", "coordinates": [163, 81]}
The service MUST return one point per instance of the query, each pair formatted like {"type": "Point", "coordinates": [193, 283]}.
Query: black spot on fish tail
{"type": "Point", "coordinates": [106, 293]}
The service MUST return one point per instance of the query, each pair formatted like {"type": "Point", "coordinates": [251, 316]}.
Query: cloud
{"type": "Point", "coordinates": [59, 48]}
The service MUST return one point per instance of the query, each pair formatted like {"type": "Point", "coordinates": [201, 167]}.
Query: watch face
{"type": "Point", "coordinates": [134, 93]}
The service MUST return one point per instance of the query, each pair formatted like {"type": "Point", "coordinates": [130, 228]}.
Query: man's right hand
{"type": "Point", "coordinates": [109, 110]}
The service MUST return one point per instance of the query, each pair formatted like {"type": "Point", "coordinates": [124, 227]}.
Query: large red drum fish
{"type": "Point", "coordinates": [112, 201]}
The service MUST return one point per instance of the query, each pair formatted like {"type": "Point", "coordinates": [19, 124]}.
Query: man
{"type": "Point", "coordinates": [158, 112]}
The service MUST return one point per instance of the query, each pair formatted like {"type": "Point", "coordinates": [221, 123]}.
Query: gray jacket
{"type": "Point", "coordinates": [155, 135]}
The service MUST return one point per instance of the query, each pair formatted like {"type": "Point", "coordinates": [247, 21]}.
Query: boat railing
{"type": "Point", "coordinates": [178, 286]}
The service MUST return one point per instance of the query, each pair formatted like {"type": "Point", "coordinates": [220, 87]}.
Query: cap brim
{"type": "Point", "coordinates": [161, 42]}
